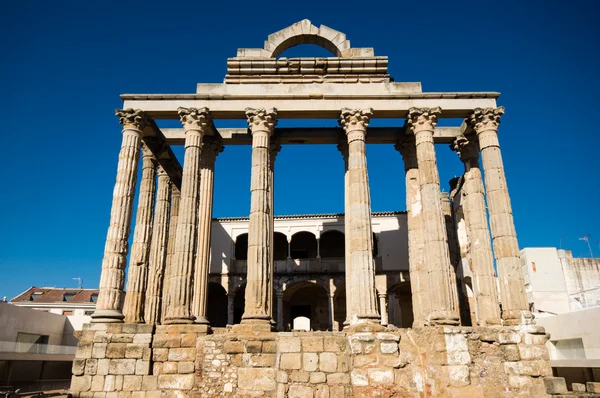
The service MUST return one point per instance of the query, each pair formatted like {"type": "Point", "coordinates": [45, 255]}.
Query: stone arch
{"type": "Point", "coordinates": [306, 298]}
{"type": "Point", "coordinates": [304, 32]}
{"type": "Point", "coordinates": [241, 247]}
{"type": "Point", "coordinates": [303, 245]}
{"type": "Point", "coordinates": [280, 246]}
{"type": "Point", "coordinates": [332, 244]}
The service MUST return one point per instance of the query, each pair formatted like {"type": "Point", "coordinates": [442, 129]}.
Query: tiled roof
{"type": "Point", "coordinates": [55, 295]}
{"type": "Point", "coordinates": [317, 216]}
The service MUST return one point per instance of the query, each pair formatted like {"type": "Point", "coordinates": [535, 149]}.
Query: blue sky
{"type": "Point", "coordinates": [64, 65]}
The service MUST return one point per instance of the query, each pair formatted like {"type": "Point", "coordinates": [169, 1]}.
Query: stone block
{"type": "Point", "coordinates": [389, 348]}
{"type": "Point", "coordinates": [132, 383]}
{"type": "Point", "coordinates": [310, 361]}
{"type": "Point", "coordinates": [185, 367]}
{"type": "Point", "coordinates": [334, 344]}
{"type": "Point", "coordinates": [78, 367]}
{"type": "Point", "coordinates": [119, 382]}
{"type": "Point", "coordinates": [91, 367]}
{"type": "Point", "coordinates": [145, 338]}
{"type": "Point", "coordinates": [84, 351]}
{"type": "Point", "coordinates": [364, 360]}
{"type": "Point", "coordinates": [393, 361]}
{"type": "Point", "coordinates": [115, 350]}
{"type": "Point", "coordinates": [149, 383]}
{"type": "Point", "coordinates": [593, 387]}
{"type": "Point", "coordinates": [510, 352]}
{"type": "Point", "coordinates": [160, 354]}
{"type": "Point", "coordinates": [103, 365]}
{"type": "Point", "coordinates": [578, 387]}
{"type": "Point", "coordinates": [282, 377]}
{"type": "Point", "coordinates": [530, 352]}
{"type": "Point", "coordinates": [328, 362]}
{"type": "Point", "coordinates": [269, 347]}
{"type": "Point", "coordinates": [299, 376]}
{"type": "Point", "coordinates": [121, 366]}
{"type": "Point", "coordinates": [509, 338]}
{"type": "Point", "coordinates": [359, 378]}
{"type": "Point", "coordinates": [536, 339]}
{"type": "Point", "coordinates": [109, 383]}
{"type": "Point", "coordinates": [300, 391]}
{"type": "Point", "coordinates": [260, 360]}
{"type": "Point", "coordinates": [97, 383]}
{"type": "Point", "coordinates": [388, 337]}
{"type": "Point", "coordinates": [166, 341]}
{"type": "Point", "coordinates": [256, 379]}
{"type": "Point", "coordinates": [458, 375]}
{"type": "Point", "coordinates": [137, 394]}
{"type": "Point", "coordinates": [281, 391]}
{"type": "Point", "coordinates": [153, 394]}
{"type": "Point", "coordinates": [182, 354]}
{"type": "Point", "coordinates": [337, 391]}
{"type": "Point", "coordinates": [318, 377]}
{"type": "Point", "coordinates": [343, 362]}
{"type": "Point", "coordinates": [338, 378]}
{"type": "Point", "coordinates": [519, 382]}
{"type": "Point", "coordinates": [124, 394]}
{"type": "Point", "coordinates": [356, 347]}
{"type": "Point", "coordinates": [458, 358]}
{"type": "Point", "coordinates": [233, 347]}
{"type": "Point", "coordinates": [142, 367]}
{"type": "Point", "coordinates": [290, 361]}
{"type": "Point", "coordinates": [81, 383]}
{"type": "Point", "coordinates": [380, 376]}
{"type": "Point", "coordinates": [101, 337]}
{"type": "Point", "coordinates": [189, 339]}
{"type": "Point", "coordinates": [322, 391]}
{"type": "Point", "coordinates": [157, 368]}
{"type": "Point", "coordinates": [135, 351]}
{"type": "Point", "coordinates": [289, 344]}
{"type": "Point", "coordinates": [254, 347]}
{"type": "Point", "coordinates": [121, 338]}
{"type": "Point", "coordinates": [176, 382]}
{"type": "Point", "coordinates": [99, 350]}
{"type": "Point", "coordinates": [555, 385]}
{"type": "Point", "coordinates": [170, 368]}
{"type": "Point", "coordinates": [312, 344]}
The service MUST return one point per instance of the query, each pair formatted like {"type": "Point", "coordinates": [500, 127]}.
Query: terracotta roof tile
{"type": "Point", "coordinates": [55, 295]}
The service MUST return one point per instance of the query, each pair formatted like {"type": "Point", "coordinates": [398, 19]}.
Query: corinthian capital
{"type": "Point", "coordinates": [419, 119]}
{"type": "Point", "coordinates": [211, 147]}
{"type": "Point", "coordinates": [261, 119]}
{"type": "Point", "coordinates": [486, 118]}
{"type": "Point", "coordinates": [195, 119]}
{"type": "Point", "coordinates": [467, 148]}
{"type": "Point", "coordinates": [134, 118]}
{"type": "Point", "coordinates": [355, 119]}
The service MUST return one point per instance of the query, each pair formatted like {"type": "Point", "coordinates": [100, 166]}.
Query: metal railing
{"type": "Point", "coordinates": [30, 348]}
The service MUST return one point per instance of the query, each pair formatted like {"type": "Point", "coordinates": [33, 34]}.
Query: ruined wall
{"type": "Point", "coordinates": [129, 361]}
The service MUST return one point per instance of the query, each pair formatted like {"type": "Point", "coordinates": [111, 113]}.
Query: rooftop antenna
{"type": "Point", "coordinates": [586, 238]}
{"type": "Point", "coordinates": [79, 282]}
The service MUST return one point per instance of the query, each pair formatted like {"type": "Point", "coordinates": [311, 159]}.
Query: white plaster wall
{"type": "Point", "coordinates": [544, 280]}
{"type": "Point", "coordinates": [14, 319]}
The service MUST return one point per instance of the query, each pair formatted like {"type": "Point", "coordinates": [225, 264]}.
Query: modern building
{"type": "Point", "coordinates": [564, 294]}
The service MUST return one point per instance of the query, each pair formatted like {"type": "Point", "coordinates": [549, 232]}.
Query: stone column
{"type": "Point", "coordinates": [110, 298]}
{"type": "Point", "coordinates": [343, 148]}
{"type": "Point", "coordinates": [421, 122]}
{"type": "Point", "coordinates": [173, 218]}
{"type": "Point", "coordinates": [482, 262]}
{"type": "Point", "coordinates": [137, 278]}
{"type": "Point", "coordinates": [416, 243]}
{"type": "Point", "coordinates": [355, 122]}
{"type": "Point", "coordinates": [196, 123]}
{"type": "Point", "coordinates": [515, 307]}
{"type": "Point", "coordinates": [261, 122]}
{"type": "Point", "coordinates": [230, 308]}
{"type": "Point", "coordinates": [453, 249]}
{"type": "Point", "coordinates": [275, 147]}
{"type": "Point", "coordinates": [383, 308]}
{"type": "Point", "coordinates": [331, 311]}
{"type": "Point", "coordinates": [211, 147]}
{"type": "Point", "coordinates": [279, 311]}
{"type": "Point", "coordinates": [158, 249]}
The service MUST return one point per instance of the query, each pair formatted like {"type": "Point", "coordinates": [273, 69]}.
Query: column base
{"type": "Point", "coordinates": [178, 321]}
{"type": "Point", "coordinates": [107, 316]}
{"type": "Point", "coordinates": [517, 317]}
{"type": "Point", "coordinates": [443, 318]}
{"type": "Point", "coordinates": [202, 320]}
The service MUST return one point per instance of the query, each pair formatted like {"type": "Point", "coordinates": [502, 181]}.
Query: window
{"type": "Point", "coordinates": [31, 343]}
{"type": "Point", "coordinates": [67, 313]}
{"type": "Point", "coordinates": [94, 298]}
{"type": "Point", "coordinates": [35, 295]}
{"type": "Point", "coordinates": [68, 296]}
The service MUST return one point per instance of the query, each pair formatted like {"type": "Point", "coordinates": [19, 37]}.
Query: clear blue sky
{"type": "Point", "coordinates": [64, 65]}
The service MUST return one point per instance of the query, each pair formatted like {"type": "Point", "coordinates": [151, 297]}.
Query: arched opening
{"type": "Point", "coordinates": [400, 311]}
{"type": "Point", "coordinates": [239, 301]}
{"type": "Point", "coordinates": [216, 310]}
{"type": "Point", "coordinates": [303, 245]}
{"type": "Point", "coordinates": [241, 247]}
{"type": "Point", "coordinates": [280, 251]}
{"type": "Point", "coordinates": [306, 299]}
{"type": "Point", "coordinates": [339, 308]}
{"type": "Point", "coordinates": [375, 245]}
{"type": "Point", "coordinates": [332, 244]}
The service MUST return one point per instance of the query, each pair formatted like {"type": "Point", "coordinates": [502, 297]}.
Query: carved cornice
{"type": "Point", "coordinates": [467, 148]}
{"type": "Point", "coordinates": [355, 119]}
{"type": "Point", "coordinates": [195, 119]}
{"type": "Point", "coordinates": [135, 118]}
{"type": "Point", "coordinates": [261, 119]}
{"type": "Point", "coordinates": [420, 119]}
{"type": "Point", "coordinates": [486, 118]}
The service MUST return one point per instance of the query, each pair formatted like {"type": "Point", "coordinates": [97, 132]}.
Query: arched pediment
{"type": "Point", "coordinates": [304, 32]}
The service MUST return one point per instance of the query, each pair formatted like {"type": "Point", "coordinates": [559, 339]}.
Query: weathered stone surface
{"type": "Point", "coordinates": [259, 379]}
{"type": "Point", "coordinates": [132, 383]}
{"type": "Point", "coordinates": [78, 367]}
{"type": "Point", "coordinates": [318, 377]}
{"type": "Point", "coordinates": [359, 378]}
{"type": "Point", "coordinates": [121, 366]}
{"type": "Point", "coordinates": [389, 348]}
{"type": "Point", "coordinates": [289, 344]}
{"type": "Point", "coordinates": [578, 387]}
{"type": "Point", "coordinates": [290, 361]}
{"type": "Point", "coordinates": [176, 382]}
{"type": "Point", "coordinates": [555, 385]}
{"type": "Point", "coordinates": [300, 391]}
{"type": "Point", "coordinates": [328, 362]}
{"type": "Point", "coordinates": [593, 387]}
{"type": "Point", "coordinates": [379, 376]}
{"type": "Point", "coordinates": [182, 354]}
{"type": "Point", "coordinates": [299, 376]}
{"type": "Point", "coordinates": [310, 361]}
{"type": "Point", "coordinates": [312, 344]}
{"type": "Point", "coordinates": [338, 378]}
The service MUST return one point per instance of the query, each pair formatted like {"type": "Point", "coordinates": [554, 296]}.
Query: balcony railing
{"type": "Point", "coordinates": [29, 348]}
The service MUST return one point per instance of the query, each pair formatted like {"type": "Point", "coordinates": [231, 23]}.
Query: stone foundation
{"type": "Point", "coordinates": [125, 360]}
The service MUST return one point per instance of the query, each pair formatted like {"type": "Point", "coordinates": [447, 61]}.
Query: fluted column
{"type": "Point", "coordinates": [275, 147]}
{"type": "Point", "coordinates": [110, 298]}
{"type": "Point", "coordinates": [343, 148]}
{"type": "Point", "coordinates": [173, 218]}
{"type": "Point", "coordinates": [515, 307]}
{"type": "Point", "coordinates": [416, 243]}
{"type": "Point", "coordinates": [210, 149]}
{"type": "Point", "coordinates": [453, 249]}
{"type": "Point", "coordinates": [158, 249]}
{"type": "Point", "coordinates": [196, 123]}
{"type": "Point", "coordinates": [421, 122]}
{"type": "Point", "coordinates": [355, 122]}
{"type": "Point", "coordinates": [261, 123]}
{"type": "Point", "coordinates": [137, 277]}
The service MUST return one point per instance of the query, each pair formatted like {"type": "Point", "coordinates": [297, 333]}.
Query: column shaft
{"type": "Point", "coordinates": [261, 124]}
{"type": "Point", "coordinates": [515, 306]}
{"type": "Point", "coordinates": [453, 249]}
{"type": "Point", "coordinates": [110, 299]}
{"type": "Point", "coordinates": [279, 312]}
{"type": "Point", "coordinates": [210, 149]}
{"type": "Point", "coordinates": [196, 123]}
{"type": "Point", "coordinates": [355, 124]}
{"type": "Point", "coordinates": [343, 148]}
{"type": "Point", "coordinates": [158, 249]}
{"type": "Point", "coordinates": [383, 309]}
{"type": "Point", "coordinates": [437, 257]}
{"type": "Point", "coordinates": [137, 278]}
{"type": "Point", "coordinates": [173, 219]}
{"type": "Point", "coordinates": [275, 147]}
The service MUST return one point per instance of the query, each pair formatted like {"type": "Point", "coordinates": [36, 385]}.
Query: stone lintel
{"type": "Point", "coordinates": [315, 135]}
{"type": "Point", "coordinates": [158, 145]}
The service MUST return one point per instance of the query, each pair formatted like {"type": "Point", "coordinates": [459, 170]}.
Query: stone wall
{"type": "Point", "coordinates": [130, 361]}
